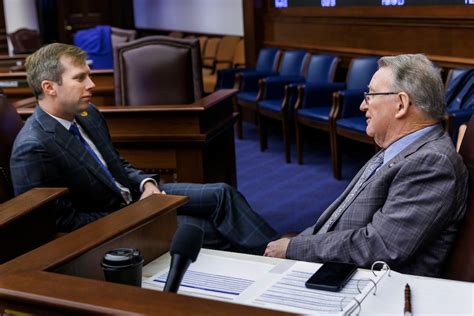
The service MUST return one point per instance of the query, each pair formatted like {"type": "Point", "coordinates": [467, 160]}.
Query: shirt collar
{"type": "Point", "coordinates": [402, 143]}
{"type": "Point", "coordinates": [67, 124]}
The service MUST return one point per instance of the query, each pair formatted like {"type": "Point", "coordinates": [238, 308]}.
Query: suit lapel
{"type": "Point", "coordinates": [74, 147]}
{"type": "Point", "coordinates": [432, 135]}
{"type": "Point", "coordinates": [410, 149]}
{"type": "Point", "coordinates": [105, 147]}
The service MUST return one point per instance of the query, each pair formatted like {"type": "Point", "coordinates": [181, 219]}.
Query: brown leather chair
{"type": "Point", "coordinates": [119, 36]}
{"type": "Point", "coordinates": [460, 265]}
{"type": "Point", "coordinates": [26, 221]}
{"type": "Point", "coordinates": [25, 41]}
{"type": "Point", "coordinates": [158, 70]}
{"type": "Point", "coordinates": [210, 51]}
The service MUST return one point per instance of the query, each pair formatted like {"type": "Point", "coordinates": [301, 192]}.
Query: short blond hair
{"type": "Point", "coordinates": [44, 64]}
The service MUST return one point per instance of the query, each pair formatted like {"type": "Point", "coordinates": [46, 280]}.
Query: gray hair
{"type": "Point", "coordinates": [416, 75]}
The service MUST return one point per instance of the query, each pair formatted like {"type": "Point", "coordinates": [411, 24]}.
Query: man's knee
{"type": "Point", "coordinates": [224, 187]}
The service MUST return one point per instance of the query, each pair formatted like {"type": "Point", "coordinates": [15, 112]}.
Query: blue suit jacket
{"type": "Point", "coordinates": [45, 154]}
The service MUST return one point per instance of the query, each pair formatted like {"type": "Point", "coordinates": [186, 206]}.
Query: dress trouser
{"type": "Point", "coordinates": [228, 221]}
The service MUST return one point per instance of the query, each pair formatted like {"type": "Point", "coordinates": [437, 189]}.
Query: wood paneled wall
{"type": "Point", "coordinates": [445, 33]}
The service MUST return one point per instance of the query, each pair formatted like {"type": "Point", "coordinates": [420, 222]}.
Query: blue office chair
{"type": "Point", "coordinates": [250, 94]}
{"type": "Point", "coordinates": [459, 99]}
{"type": "Point", "coordinates": [316, 109]}
{"type": "Point", "coordinates": [279, 96]}
{"type": "Point", "coordinates": [267, 62]}
{"type": "Point", "coordinates": [346, 118]}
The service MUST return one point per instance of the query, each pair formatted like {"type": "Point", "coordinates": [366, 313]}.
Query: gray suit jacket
{"type": "Point", "coordinates": [45, 154]}
{"type": "Point", "coordinates": [407, 214]}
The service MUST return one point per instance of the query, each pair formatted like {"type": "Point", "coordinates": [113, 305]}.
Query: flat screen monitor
{"type": "Point", "coordinates": [346, 3]}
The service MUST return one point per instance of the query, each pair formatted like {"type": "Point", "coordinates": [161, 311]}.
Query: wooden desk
{"type": "Point", "coordinates": [7, 61]}
{"type": "Point", "coordinates": [64, 276]}
{"type": "Point", "coordinates": [185, 143]}
{"type": "Point", "coordinates": [16, 87]}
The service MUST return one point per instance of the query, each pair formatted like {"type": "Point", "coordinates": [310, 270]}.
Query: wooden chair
{"type": "Point", "coordinates": [202, 43]}
{"type": "Point", "coordinates": [26, 221]}
{"type": "Point", "coordinates": [461, 133]}
{"type": "Point", "coordinates": [222, 61]}
{"type": "Point", "coordinates": [291, 64]}
{"type": "Point", "coordinates": [460, 265]}
{"type": "Point", "coordinates": [279, 104]}
{"type": "Point", "coordinates": [346, 119]}
{"type": "Point", "coordinates": [319, 105]}
{"type": "Point", "coordinates": [210, 51]}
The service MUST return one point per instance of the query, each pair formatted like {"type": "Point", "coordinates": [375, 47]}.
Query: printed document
{"type": "Point", "coordinates": [279, 286]}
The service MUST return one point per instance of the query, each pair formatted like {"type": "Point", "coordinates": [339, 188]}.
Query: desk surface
{"type": "Point", "coordinates": [429, 295]}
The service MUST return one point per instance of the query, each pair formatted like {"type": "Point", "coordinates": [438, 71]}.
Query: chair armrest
{"type": "Point", "coordinates": [226, 77]}
{"type": "Point", "coordinates": [275, 86]}
{"type": "Point", "coordinates": [25, 203]}
{"type": "Point", "coordinates": [319, 94]}
{"type": "Point", "coordinates": [350, 101]}
{"type": "Point", "coordinates": [249, 79]}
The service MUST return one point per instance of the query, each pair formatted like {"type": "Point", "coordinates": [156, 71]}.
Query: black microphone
{"type": "Point", "coordinates": [185, 246]}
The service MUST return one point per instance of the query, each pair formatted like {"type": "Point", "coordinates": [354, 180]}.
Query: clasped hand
{"type": "Point", "coordinates": [277, 248]}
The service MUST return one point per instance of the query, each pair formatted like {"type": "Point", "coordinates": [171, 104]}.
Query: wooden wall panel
{"type": "Point", "coordinates": [445, 33]}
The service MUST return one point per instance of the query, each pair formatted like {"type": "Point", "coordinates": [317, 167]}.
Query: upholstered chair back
{"type": "Point", "coordinates": [158, 70]}
{"type": "Point", "coordinates": [10, 125]}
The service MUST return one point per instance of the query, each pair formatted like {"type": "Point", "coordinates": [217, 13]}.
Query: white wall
{"type": "Point", "coordinates": [200, 16]}
{"type": "Point", "coordinates": [19, 14]}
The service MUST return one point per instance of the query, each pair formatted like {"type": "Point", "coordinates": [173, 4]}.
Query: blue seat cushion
{"type": "Point", "coordinates": [355, 124]}
{"type": "Point", "coordinates": [271, 105]}
{"type": "Point", "coordinates": [247, 96]}
{"type": "Point", "coordinates": [317, 113]}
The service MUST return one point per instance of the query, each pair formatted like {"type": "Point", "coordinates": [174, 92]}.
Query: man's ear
{"type": "Point", "coordinates": [49, 87]}
{"type": "Point", "coordinates": [403, 104]}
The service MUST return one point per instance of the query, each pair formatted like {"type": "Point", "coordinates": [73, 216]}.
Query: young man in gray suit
{"type": "Point", "coordinates": [405, 205]}
{"type": "Point", "coordinates": [66, 143]}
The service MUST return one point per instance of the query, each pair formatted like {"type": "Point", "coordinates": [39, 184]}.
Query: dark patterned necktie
{"type": "Point", "coordinates": [74, 130]}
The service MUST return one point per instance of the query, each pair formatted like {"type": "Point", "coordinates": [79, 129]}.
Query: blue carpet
{"type": "Point", "coordinates": [291, 197]}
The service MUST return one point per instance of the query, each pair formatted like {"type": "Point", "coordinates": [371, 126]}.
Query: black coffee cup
{"type": "Point", "coordinates": [123, 265]}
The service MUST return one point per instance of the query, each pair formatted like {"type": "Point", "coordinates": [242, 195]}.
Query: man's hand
{"type": "Point", "coordinates": [277, 248]}
{"type": "Point", "coordinates": [150, 188]}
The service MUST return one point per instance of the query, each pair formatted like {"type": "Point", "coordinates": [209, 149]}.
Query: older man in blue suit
{"type": "Point", "coordinates": [405, 206]}
{"type": "Point", "coordinates": [66, 143]}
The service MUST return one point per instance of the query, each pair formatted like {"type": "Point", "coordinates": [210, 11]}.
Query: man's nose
{"type": "Point", "coordinates": [90, 84]}
{"type": "Point", "coordinates": [363, 106]}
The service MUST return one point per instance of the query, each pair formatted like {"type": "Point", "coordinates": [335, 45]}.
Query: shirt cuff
{"type": "Point", "coordinates": [142, 184]}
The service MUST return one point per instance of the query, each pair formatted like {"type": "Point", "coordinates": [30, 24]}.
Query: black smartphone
{"type": "Point", "coordinates": [331, 276]}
